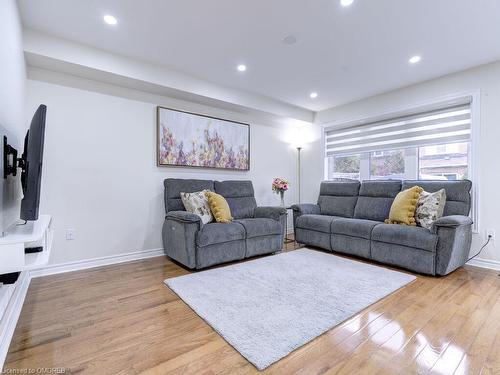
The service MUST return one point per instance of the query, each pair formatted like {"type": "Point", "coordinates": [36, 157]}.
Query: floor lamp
{"type": "Point", "coordinates": [299, 148]}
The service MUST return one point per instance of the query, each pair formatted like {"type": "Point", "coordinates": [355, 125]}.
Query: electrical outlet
{"type": "Point", "coordinates": [70, 234]}
{"type": "Point", "coordinates": [490, 232]}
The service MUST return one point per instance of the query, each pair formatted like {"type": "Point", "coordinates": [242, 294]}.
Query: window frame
{"type": "Point", "coordinates": [473, 96]}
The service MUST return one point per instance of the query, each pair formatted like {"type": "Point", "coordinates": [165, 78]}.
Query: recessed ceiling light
{"type": "Point", "coordinates": [415, 59]}
{"type": "Point", "coordinates": [346, 3]}
{"type": "Point", "coordinates": [313, 95]}
{"type": "Point", "coordinates": [241, 68]}
{"type": "Point", "coordinates": [110, 20]}
{"type": "Point", "coordinates": [290, 39]}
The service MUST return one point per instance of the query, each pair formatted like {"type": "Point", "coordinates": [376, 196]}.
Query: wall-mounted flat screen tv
{"type": "Point", "coordinates": [30, 164]}
{"type": "Point", "coordinates": [31, 175]}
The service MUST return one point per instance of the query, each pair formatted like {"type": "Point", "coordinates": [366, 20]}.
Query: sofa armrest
{"type": "Point", "coordinates": [306, 208]}
{"type": "Point", "coordinates": [451, 221]}
{"type": "Point", "coordinates": [454, 242]}
{"type": "Point", "coordinates": [270, 212]}
{"type": "Point", "coordinates": [275, 213]}
{"type": "Point", "coordinates": [179, 236]}
{"type": "Point", "coordinates": [184, 216]}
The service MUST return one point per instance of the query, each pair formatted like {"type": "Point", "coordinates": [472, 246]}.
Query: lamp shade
{"type": "Point", "coordinates": [299, 137]}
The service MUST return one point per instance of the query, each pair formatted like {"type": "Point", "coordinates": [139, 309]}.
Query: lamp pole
{"type": "Point", "coordinates": [298, 166]}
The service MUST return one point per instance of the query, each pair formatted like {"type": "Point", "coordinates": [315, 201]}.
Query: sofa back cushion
{"type": "Point", "coordinates": [240, 197]}
{"type": "Point", "coordinates": [375, 199]}
{"type": "Point", "coordinates": [458, 199]}
{"type": "Point", "coordinates": [175, 186]}
{"type": "Point", "coordinates": [338, 198]}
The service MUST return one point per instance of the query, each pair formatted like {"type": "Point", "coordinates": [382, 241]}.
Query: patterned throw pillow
{"type": "Point", "coordinates": [430, 207]}
{"type": "Point", "coordinates": [197, 203]}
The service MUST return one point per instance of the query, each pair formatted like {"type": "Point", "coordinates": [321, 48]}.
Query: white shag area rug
{"type": "Point", "coordinates": [269, 307]}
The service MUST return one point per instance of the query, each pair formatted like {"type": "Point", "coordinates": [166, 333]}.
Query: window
{"type": "Point", "coordinates": [447, 162]}
{"type": "Point", "coordinates": [344, 167]}
{"type": "Point", "coordinates": [442, 162]}
{"type": "Point", "coordinates": [387, 164]}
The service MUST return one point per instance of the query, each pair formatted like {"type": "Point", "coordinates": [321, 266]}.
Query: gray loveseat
{"type": "Point", "coordinates": [254, 231]}
{"type": "Point", "coordinates": [349, 215]}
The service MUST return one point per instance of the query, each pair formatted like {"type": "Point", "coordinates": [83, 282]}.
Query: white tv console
{"type": "Point", "coordinates": [13, 259]}
{"type": "Point", "coordinates": [21, 236]}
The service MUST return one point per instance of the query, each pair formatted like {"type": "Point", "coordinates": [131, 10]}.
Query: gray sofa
{"type": "Point", "coordinates": [255, 230]}
{"type": "Point", "coordinates": [349, 215]}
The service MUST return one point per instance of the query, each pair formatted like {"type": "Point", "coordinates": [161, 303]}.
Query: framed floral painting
{"type": "Point", "coordinates": [190, 140]}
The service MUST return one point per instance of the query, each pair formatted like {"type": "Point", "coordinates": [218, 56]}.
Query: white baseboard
{"type": "Point", "coordinates": [6, 292]}
{"type": "Point", "coordinates": [96, 262]}
{"type": "Point", "coordinates": [11, 315]}
{"type": "Point", "coordinates": [485, 263]}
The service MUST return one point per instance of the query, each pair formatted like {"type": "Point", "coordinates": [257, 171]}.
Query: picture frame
{"type": "Point", "coordinates": [187, 139]}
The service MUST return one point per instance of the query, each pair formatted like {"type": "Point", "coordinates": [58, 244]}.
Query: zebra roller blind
{"type": "Point", "coordinates": [446, 125]}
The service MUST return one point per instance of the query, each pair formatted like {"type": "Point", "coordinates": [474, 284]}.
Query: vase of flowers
{"type": "Point", "coordinates": [279, 186]}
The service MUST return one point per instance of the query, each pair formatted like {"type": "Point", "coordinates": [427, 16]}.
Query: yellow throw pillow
{"type": "Point", "coordinates": [404, 206]}
{"type": "Point", "coordinates": [219, 207]}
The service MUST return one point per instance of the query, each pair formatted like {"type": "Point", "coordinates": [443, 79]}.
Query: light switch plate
{"type": "Point", "coordinates": [70, 234]}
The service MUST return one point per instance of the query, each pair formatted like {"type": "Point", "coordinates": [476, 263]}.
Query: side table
{"type": "Point", "coordinates": [286, 239]}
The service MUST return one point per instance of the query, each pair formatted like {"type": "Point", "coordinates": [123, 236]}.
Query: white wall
{"type": "Point", "coordinates": [12, 100]}
{"type": "Point", "coordinates": [486, 79]}
{"type": "Point", "coordinates": [100, 176]}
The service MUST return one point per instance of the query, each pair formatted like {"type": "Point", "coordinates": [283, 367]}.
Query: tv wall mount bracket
{"type": "Point", "coordinates": [10, 160]}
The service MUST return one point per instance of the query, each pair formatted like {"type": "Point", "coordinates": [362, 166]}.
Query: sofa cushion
{"type": "Point", "coordinates": [416, 260]}
{"type": "Point", "coordinates": [340, 188]}
{"type": "Point", "coordinates": [405, 235]}
{"type": "Point", "coordinates": [220, 253]}
{"type": "Point", "coordinates": [458, 198]}
{"type": "Point", "coordinates": [354, 227]}
{"type": "Point", "coordinates": [263, 245]}
{"type": "Point", "coordinates": [337, 206]}
{"type": "Point", "coordinates": [319, 223]}
{"type": "Point", "coordinates": [357, 246]}
{"type": "Point", "coordinates": [213, 233]}
{"type": "Point", "coordinates": [338, 198]}
{"type": "Point", "coordinates": [375, 199]}
{"type": "Point", "coordinates": [239, 196]}
{"type": "Point", "coordinates": [174, 187]}
{"type": "Point", "coordinates": [260, 227]}
{"type": "Point", "coordinates": [314, 238]}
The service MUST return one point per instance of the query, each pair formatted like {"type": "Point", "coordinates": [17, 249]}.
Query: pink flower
{"type": "Point", "coordinates": [279, 185]}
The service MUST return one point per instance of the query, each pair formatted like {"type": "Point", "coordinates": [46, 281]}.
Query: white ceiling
{"type": "Point", "coordinates": [344, 54]}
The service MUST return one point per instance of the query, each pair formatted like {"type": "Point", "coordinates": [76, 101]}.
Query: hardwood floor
{"type": "Point", "coordinates": [122, 320]}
